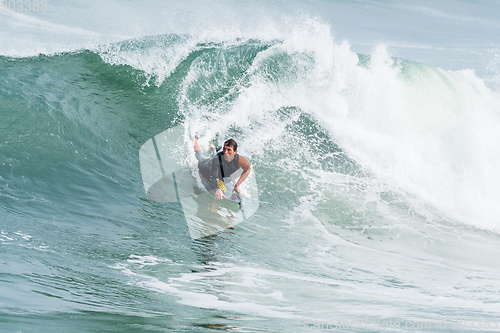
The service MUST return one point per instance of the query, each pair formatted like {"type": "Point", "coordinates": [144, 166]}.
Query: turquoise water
{"type": "Point", "coordinates": [373, 130]}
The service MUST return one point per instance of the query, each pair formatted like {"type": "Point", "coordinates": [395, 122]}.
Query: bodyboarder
{"type": "Point", "coordinates": [221, 165]}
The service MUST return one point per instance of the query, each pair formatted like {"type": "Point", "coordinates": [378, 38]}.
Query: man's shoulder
{"type": "Point", "coordinates": [243, 162]}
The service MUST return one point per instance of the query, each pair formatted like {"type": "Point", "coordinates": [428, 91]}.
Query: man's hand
{"type": "Point", "coordinates": [219, 195]}
{"type": "Point", "coordinates": [237, 188]}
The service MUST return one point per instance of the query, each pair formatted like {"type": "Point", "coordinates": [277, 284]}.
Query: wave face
{"type": "Point", "coordinates": [378, 182]}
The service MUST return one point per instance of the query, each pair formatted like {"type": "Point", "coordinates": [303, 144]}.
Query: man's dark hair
{"type": "Point", "coordinates": [231, 143]}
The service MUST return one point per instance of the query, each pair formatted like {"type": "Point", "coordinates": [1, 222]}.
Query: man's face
{"type": "Point", "coordinates": [228, 153]}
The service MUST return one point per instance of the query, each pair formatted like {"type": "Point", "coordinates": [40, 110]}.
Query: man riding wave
{"type": "Point", "coordinates": [221, 165]}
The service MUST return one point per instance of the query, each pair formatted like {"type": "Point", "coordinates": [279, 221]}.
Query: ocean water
{"type": "Point", "coordinates": [373, 128]}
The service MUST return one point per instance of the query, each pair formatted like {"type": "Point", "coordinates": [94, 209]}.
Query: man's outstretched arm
{"type": "Point", "coordinates": [242, 163]}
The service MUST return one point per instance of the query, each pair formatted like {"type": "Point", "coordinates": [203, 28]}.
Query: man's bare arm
{"type": "Point", "coordinates": [242, 163]}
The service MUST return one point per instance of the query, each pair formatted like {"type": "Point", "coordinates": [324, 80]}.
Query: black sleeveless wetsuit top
{"type": "Point", "coordinates": [214, 165]}
{"type": "Point", "coordinates": [228, 168]}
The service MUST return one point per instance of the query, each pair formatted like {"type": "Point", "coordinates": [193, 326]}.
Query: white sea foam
{"type": "Point", "coordinates": [253, 290]}
{"type": "Point", "coordinates": [157, 60]}
{"type": "Point", "coordinates": [439, 128]}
